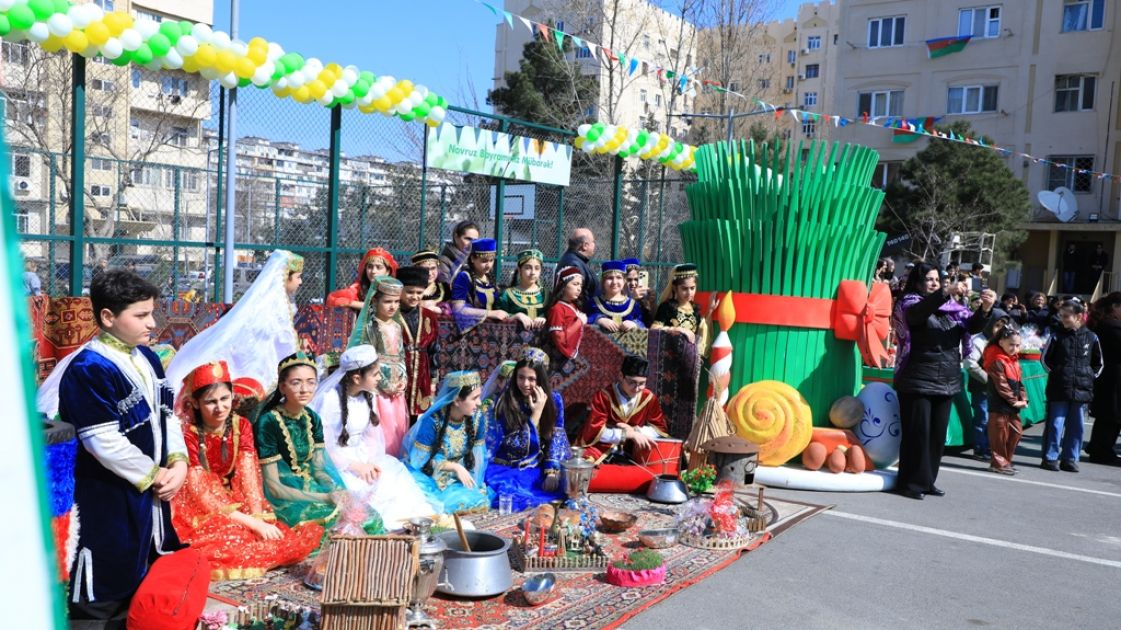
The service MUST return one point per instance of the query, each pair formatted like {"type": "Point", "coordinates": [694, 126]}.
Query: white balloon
{"type": "Point", "coordinates": [583, 129]}
{"type": "Point", "coordinates": [90, 52]}
{"type": "Point", "coordinates": [38, 32]}
{"type": "Point", "coordinates": [5, 5]}
{"type": "Point", "coordinates": [187, 45]}
{"type": "Point", "coordinates": [92, 13]}
{"type": "Point", "coordinates": [365, 100]}
{"type": "Point", "coordinates": [79, 15]}
{"type": "Point", "coordinates": [349, 76]}
{"type": "Point", "coordinates": [228, 80]}
{"type": "Point", "coordinates": [209, 73]}
{"type": "Point", "coordinates": [146, 27]}
{"type": "Point", "coordinates": [387, 81]}
{"type": "Point", "coordinates": [296, 79]}
{"type": "Point", "coordinates": [377, 91]}
{"type": "Point", "coordinates": [131, 39]}
{"type": "Point", "coordinates": [281, 83]}
{"type": "Point", "coordinates": [112, 48]}
{"type": "Point", "coordinates": [310, 73]}
{"type": "Point", "coordinates": [202, 33]}
{"type": "Point", "coordinates": [437, 114]}
{"type": "Point", "coordinates": [221, 40]}
{"type": "Point", "coordinates": [420, 89]}
{"type": "Point", "coordinates": [275, 51]}
{"type": "Point", "coordinates": [261, 77]}
{"type": "Point", "coordinates": [154, 65]}
{"type": "Point", "coordinates": [239, 47]}
{"type": "Point", "coordinates": [339, 88]}
{"type": "Point", "coordinates": [60, 25]}
{"type": "Point", "coordinates": [326, 99]}
{"type": "Point", "coordinates": [269, 68]}
{"type": "Point", "coordinates": [173, 59]}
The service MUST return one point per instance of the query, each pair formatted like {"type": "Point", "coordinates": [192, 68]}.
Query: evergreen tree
{"type": "Point", "coordinates": [952, 187]}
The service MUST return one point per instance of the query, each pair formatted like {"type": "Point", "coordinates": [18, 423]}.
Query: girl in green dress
{"type": "Point", "coordinates": [525, 300]}
{"type": "Point", "coordinates": [299, 480]}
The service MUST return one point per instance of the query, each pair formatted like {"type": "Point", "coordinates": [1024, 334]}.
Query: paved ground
{"type": "Point", "coordinates": [1039, 550]}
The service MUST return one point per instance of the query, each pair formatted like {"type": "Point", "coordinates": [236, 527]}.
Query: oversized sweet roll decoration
{"type": "Point", "coordinates": [535, 357]}
{"type": "Point", "coordinates": [773, 415]}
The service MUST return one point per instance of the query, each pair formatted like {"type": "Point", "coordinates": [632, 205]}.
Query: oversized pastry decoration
{"type": "Point", "coordinates": [774, 416]}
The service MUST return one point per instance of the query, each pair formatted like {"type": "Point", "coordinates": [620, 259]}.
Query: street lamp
{"type": "Point", "coordinates": [206, 253]}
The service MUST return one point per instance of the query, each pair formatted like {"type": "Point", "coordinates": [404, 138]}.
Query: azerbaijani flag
{"type": "Point", "coordinates": [904, 135]}
{"type": "Point", "coordinates": [946, 45]}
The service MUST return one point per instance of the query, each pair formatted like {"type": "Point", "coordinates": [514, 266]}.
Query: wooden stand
{"type": "Point", "coordinates": [368, 582]}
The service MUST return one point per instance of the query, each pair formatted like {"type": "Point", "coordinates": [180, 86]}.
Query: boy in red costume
{"type": "Point", "coordinates": [422, 332]}
{"type": "Point", "coordinates": [624, 413]}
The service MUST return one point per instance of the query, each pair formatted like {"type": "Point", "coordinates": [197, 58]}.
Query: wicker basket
{"type": "Point", "coordinates": [716, 542]}
{"type": "Point", "coordinates": [368, 582]}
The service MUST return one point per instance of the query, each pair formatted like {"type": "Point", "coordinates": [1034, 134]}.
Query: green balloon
{"type": "Point", "coordinates": [42, 9]}
{"type": "Point", "coordinates": [443, 102]}
{"type": "Point", "coordinates": [421, 111]}
{"type": "Point", "coordinates": [640, 141]}
{"type": "Point", "coordinates": [61, 6]}
{"type": "Point", "coordinates": [123, 60]}
{"type": "Point", "coordinates": [244, 82]}
{"type": "Point", "coordinates": [432, 100]}
{"type": "Point", "coordinates": [406, 117]}
{"type": "Point", "coordinates": [345, 99]}
{"type": "Point", "coordinates": [142, 55]}
{"type": "Point", "coordinates": [361, 88]}
{"type": "Point", "coordinates": [295, 61]}
{"type": "Point", "coordinates": [159, 45]}
{"type": "Point", "coordinates": [21, 17]}
{"type": "Point", "coordinates": [367, 76]}
{"type": "Point", "coordinates": [5, 25]}
{"type": "Point", "coordinates": [185, 28]}
{"type": "Point", "coordinates": [278, 73]}
{"type": "Point", "coordinates": [171, 30]}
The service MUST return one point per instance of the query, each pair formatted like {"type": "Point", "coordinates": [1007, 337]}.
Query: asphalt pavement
{"type": "Point", "coordinates": [1038, 550]}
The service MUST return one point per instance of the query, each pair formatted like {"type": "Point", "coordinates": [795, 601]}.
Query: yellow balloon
{"type": "Point", "coordinates": [52, 44]}
{"type": "Point", "coordinates": [579, 143]}
{"type": "Point", "coordinates": [406, 86]}
{"type": "Point", "coordinates": [258, 42]}
{"type": "Point", "coordinates": [76, 41]}
{"type": "Point", "coordinates": [205, 56]}
{"type": "Point", "coordinates": [367, 109]}
{"type": "Point", "coordinates": [432, 123]}
{"type": "Point", "coordinates": [190, 65]}
{"type": "Point", "coordinates": [98, 33]}
{"type": "Point", "coordinates": [334, 69]}
{"type": "Point", "coordinates": [302, 94]}
{"type": "Point", "coordinates": [395, 94]}
{"type": "Point", "coordinates": [117, 22]}
{"type": "Point", "coordinates": [282, 92]}
{"type": "Point", "coordinates": [382, 104]}
{"type": "Point", "coordinates": [245, 68]}
{"type": "Point", "coordinates": [225, 61]}
{"type": "Point", "coordinates": [326, 77]}
{"type": "Point", "coordinates": [258, 55]}
{"type": "Point", "coordinates": [316, 88]}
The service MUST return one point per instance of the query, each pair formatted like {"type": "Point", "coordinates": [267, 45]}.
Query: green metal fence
{"type": "Point", "coordinates": [146, 150]}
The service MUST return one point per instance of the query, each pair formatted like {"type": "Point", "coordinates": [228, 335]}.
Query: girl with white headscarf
{"type": "Point", "coordinates": [356, 444]}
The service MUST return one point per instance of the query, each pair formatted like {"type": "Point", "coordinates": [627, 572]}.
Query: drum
{"type": "Point", "coordinates": [663, 458]}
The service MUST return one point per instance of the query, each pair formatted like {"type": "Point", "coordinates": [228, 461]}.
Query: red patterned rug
{"type": "Point", "coordinates": [584, 600]}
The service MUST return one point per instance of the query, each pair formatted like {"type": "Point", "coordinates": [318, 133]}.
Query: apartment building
{"type": "Point", "coordinates": [1038, 77]}
{"type": "Point", "coordinates": [788, 63]}
{"type": "Point", "coordinates": [637, 29]}
{"type": "Point", "coordinates": [143, 132]}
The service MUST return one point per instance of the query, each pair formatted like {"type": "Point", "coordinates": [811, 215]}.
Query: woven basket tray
{"type": "Point", "coordinates": [715, 542]}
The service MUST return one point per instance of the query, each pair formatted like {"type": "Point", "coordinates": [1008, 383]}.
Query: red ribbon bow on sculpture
{"type": "Point", "coordinates": [857, 314]}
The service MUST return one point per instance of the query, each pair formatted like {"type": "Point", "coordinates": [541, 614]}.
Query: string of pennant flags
{"type": "Point", "coordinates": [917, 127]}
{"type": "Point", "coordinates": [686, 82]}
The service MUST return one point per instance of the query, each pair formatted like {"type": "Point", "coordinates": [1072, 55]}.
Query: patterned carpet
{"type": "Point", "coordinates": [584, 600]}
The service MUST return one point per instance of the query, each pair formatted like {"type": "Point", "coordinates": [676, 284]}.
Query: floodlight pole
{"type": "Point", "coordinates": [230, 261]}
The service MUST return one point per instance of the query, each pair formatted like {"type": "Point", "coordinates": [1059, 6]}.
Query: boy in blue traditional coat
{"type": "Point", "coordinates": [133, 459]}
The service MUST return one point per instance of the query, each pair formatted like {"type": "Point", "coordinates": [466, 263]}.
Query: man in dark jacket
{"type": "Point", "coordinates": [1107, 388]}
{"type": "Point", "coordinates": [1073, 359]}
{"type": "Point", "coordinates": [581, 248]}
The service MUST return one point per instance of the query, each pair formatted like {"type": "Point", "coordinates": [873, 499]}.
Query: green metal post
{"type": "Point", "coordinates": [77, 173]}
{"type": "Point", "coordinates": [617, 208]}
{"type": "Point", "coordinates": [364, 238]}
{"type": "Point", "coordinates": [661, 212]}
{"type": "Point", "coordinates": [175, 218]}
{"type": "Point", "coordinates": [443, 215]}
{"type": "Point", "coordinates": [423, 187]}
{"type": "Point", "coordinates": [276, 213]}
{"type": "Point", "coordinates": [562, 244]}
{"type": "Point", "coordinates": [218, 197]}
{"type": "Point", "coordinates": [499, 211]}
{"type": "Point", "coordinates": [641, 253]}
{"type": "Point", "coordinates": [333, 199]}
{"type": "Point", "coordinates": [51, 212]}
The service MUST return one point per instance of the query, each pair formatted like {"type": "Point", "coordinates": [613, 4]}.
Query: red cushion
{"type": "Point", "coordinates": [173, 594]}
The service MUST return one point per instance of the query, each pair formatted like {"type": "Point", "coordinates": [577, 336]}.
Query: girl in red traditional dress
{"type": "Point", "coordinates": [376, 262]}
{"type": "Point", "coordinates": [222, 509]}
{"type": "Point", "coordinates": [564, 318]}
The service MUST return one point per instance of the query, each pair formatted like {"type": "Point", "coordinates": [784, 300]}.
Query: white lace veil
{"type": "Point", "coordinates": [252, 337]}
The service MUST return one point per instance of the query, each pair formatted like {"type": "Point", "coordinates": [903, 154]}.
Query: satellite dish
{"type": "Point", "coordinates": [1061, 202]}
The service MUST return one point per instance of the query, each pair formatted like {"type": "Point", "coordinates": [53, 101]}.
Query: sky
{"type": "Point", "coordinates": [446, 45]}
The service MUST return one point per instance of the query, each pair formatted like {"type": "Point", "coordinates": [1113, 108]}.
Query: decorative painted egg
{"type": "Point", "coordinates": [846, 412]}
{"type": "Point", "coordinates": [880, 429]}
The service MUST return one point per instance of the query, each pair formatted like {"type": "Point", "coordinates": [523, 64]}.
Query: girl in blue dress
{"type": "Point", "coordinates": [612, 311]}
{"type": "Point", "coordinates": [446, 449]}
{"type": "Point", "coordinates": [525, 436]}
{"type": "Point", "coordinates": [474, 294]}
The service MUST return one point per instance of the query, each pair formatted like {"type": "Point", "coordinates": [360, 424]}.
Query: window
{"type": "Point", "coordinates": [813, 70]}
{"type": "Point", "coordinates": [809, 99]}
{"type": "Point", "coordinates": [100, 137]}
{"type": "Point", "coordinates": [813, 42]}
{"type": "Point", "coordinates": [646, 42]}
{"type": "Point", "coordinates": [809, 128]}
{"type": "Point", "coordinates": [140, 13]}
{"type": "Point", "coordinates": [100, 190]}
{"type": "Point", "coordinates": [105, 85]}
{"type": "Point", "coordinates": [176, 86]}
{"type": "Point", "coordinates": [979, 22]}
{"type": "Point", "coordinates": [887, 103]}
{"type": "Point", "coordinates": [152, 176]}
{"type": "Point", "coordinates": [791, 57]}
{"type": "Point", "coordinates": [190, 181]}
{"type": "Point", "coordinates": [642, 96]}
{"type": "Point", "coordinates": [764, 84]}
{"type": "Point", "coordinates": [886, 173]}
{"type": "Point", "coordinates": [134, 128]}
{"type": "Point", "coordinates": [1074, 92]}
{"type": "Point", "coordinates": [560, 25]}
{"type": "Point", "coordinates": [23, 220]}
{"type": "Point", "coordinates": [101, 164]}
{"type": "Point", "coordinates": [790, 83]}
{"type": "Point", "coordinates": [764, 57]}
{"type": "Point", "coordinates": [657, 100]}
{"type": "Point", "coordinates": [104, 4]}
{"type": "Point", "coordinates": [972, 99]}
{"type": "Point", "coordinates": [583, 53]}
{"type": "Point", "coordinates": [101, 111]}
{"type": "Point", "coordinates": [1078, 182]}
{"type": "Point", "coordinates": [1083, 15]}
{"type": "Point", "coordinates": [21, 165]}
{"type": "Point", "coordinates": [136, 77]}
{"type": "Point", "coordinates": [886, 32]}
{"type": "Point", "coordinates": [733, 86]}
{"type": "Point", "coordinates": [23, 107]}
{"type": "Point", "coordinates": [17, 53]}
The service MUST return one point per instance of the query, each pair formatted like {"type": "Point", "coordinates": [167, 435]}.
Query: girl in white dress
{"type": "Point", "coordinates": [356, 444]}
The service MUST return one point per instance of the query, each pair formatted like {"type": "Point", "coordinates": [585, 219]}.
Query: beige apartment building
{"type": "Point", "coordinates": [144, 143]}
{"type": "Point", "coordinates": [639, 29]}
{"type": "Point", "coordinates": [787, 63]}
{"type": "Point", "coordinates": [1039, 77]}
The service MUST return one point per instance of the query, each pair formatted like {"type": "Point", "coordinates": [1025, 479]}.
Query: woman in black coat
{"type": "Point", "coordinates": [931, 326]}
{"type": "Point", "coordinates": [1106, 407]}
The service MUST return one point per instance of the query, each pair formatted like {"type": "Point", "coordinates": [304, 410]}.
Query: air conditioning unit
{"type": "Point", "coordinates": [176, 99]}
{"type": "Point", "coordinates": [805, 51]}
{"type": "Point", "coordinates": [801, 77]}
{"type": "Point", "coordinates": [786, 90]}
{"type": "Point", "coordinates": [21, 187]}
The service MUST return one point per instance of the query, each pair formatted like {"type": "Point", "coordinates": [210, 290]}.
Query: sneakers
{"type": "Point", "coordinates": [1069, 466]}
{"type": "Point", "coordinates": [1049, 464]}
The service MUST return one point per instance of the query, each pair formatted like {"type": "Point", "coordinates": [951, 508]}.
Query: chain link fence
{"type": "Point", "coordinates": [154, 190]}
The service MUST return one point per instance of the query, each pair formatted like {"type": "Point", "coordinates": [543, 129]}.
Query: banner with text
{"type": "Point", "coordinates": [497, 154]}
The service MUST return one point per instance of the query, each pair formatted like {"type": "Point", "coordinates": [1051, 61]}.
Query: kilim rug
{"type": "Point", "coordinates": [584, 600]}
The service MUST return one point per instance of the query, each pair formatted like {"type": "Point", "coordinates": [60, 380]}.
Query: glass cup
{"type": "Point", "coordinates": [505, 504]}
